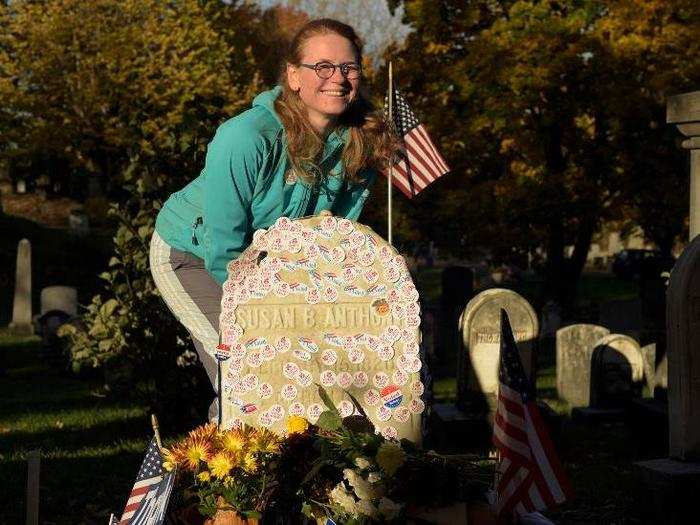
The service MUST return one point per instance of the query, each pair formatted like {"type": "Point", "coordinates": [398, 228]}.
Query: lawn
{"type": "Point", "coordinates": [91, 445]}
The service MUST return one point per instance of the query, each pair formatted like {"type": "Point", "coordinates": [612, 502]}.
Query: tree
{"type": "Point", "coordinates": [131, 91]}
{"type": "Point", "coordinates": [100, 83]}
{"type": "Point", "coordinates": [542, 108]}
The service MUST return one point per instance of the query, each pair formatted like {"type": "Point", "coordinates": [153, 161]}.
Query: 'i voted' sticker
{"type": "Point", "coordinates": [391, 396]}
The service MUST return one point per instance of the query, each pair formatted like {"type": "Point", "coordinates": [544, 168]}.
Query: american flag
{"type": "Point", "coordinates": [529, 476]}
{"type": "Point", "coordinates": [148, 500]}
{"type": "Point", "coordinates": [419, 162]}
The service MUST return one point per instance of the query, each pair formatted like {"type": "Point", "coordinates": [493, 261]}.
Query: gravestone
{"type": "Point", "coordinates": [59, 298]}
{"type": "Point", "coordinates": [322, 301]}
{"type": "Point", "coordinates": [575, 344]}
{"type": "Point", "coordinates": [673, 483]}
{"type": "Point", "coordinates": [649, 357]}
{"type": "Point", "coordinates": [617, 371]}
{"type": "Point", "coordinates": [78, 222]}
{"type": "Point", "coordinates": [480, 325]}
{"type": "Point", "coordinates": [22, 306]}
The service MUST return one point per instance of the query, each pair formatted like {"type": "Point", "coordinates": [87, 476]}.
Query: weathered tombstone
{"type": "Point", "coordinates": [661, 379]}
{"type": "Point", "coordinates": [575, 344]}
{"type": "Point", "coordinates": [59, 298]}
{"type": "Point", "coordinates": [78, 222]}
{"type": "Point", "coordinates": [649, 357]}
{"type": "Point", "coordinates": [673, 483]}
{"type": "Point", "coordinates": [622, 316]}
{"type": "Point", "coordinates": [22, 306]}
{"type": "Point", "coordinates": [480, 324]}
{"type": "Point", "coordinates": [322, 301]}
{"type": "Point", "coordinates": [617, 371]}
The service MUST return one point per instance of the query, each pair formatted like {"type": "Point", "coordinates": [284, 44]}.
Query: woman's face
{"type": "Point", "coordinates": [325, 99]}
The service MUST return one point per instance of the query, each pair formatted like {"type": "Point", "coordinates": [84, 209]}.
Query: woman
{"type": "Point", "coordinates": [309, 145]}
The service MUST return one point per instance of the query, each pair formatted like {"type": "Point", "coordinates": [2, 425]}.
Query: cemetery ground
{"type": "Point", "coordinates": [92, 443]}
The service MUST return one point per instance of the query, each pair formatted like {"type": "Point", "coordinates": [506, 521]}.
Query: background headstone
{"type": "Point", "coordinates": [575, 344]}
{"type": "Point", "coordinates": [79, 222]}
{"type": "Point", "coordinates": [321, 301]}
{"type": "Point", "coordinates": [22, 306]}
{"type": "Point", "coordinates": [649, 356]}
{"type": "Point", "coordinates": [59, 298]}
{"type": "Point", "coordinates": [477, 373]}
{"type": "Point", "coordinates": [617, 371]}
{"type": "Point", "coordinates": [683, 337]}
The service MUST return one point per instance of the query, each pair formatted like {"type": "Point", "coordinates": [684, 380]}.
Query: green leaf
{"type": "Point", "coordinates": [355, 402]}
{"type": "Point", "coordinates": [329, 420]}
{"type": "Point", "coordinates": [327, 399]}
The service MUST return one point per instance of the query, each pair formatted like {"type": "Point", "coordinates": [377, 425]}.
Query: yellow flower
{"type": "Point", "coordinates": [296, 425]}
{"type": "Point", "coordinates": [170, 459]}
{"type": "Point", "coordinates": [220, 464]}
{"type": "Point", "coordinates": [266, 441]}
{"type": "Point", "coordinates": [205, 432]}
{"type": "Point", "coordinates": [233, 441]}
{"type": "Point", "coordinates": [196, 450]}
{"type": "Point", "coordinates": [250, 462]}
{"type": "Point", "coordinates": [205, 475]}
{"type": "Point", "coordinates": [390, 457]}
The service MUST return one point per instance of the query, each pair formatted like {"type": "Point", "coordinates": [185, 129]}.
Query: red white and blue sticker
{"type": "Point", "coordinates": [391, 396]}
{"type": "Point", "coordinates": [223, 352]}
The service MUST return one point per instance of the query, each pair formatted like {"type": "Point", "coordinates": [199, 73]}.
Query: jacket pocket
{"type": "Point", "coordinates": [195, 226]}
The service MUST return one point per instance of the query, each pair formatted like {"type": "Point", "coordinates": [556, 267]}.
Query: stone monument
{"type": "Point", "coordinates": [321, 301]}
{"type": "Point", "coordinates": [59, 298]}
{"type": "Point", "coordinates": [617, 371]}
{"type": "Point", "coordinates": [575, 344]}
{"type": "Point", "coordinates": [22, 306]}
{"type": "Point", "coordinates": [673, 483]}
{"type": "Point", "coordinates": [480, 324]}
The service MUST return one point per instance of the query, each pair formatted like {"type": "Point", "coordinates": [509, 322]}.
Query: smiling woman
{"type": "Point", "coordinates": [310, 145]}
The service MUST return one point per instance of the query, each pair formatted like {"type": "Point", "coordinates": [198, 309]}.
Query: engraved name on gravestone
{"type": "Point", "coordinates": [322, 301]}
{"type": "Point", "coordinates": [575, 344]}
{"type": "Point", "coordinates": [617, 371]}
{"type": "Point", "coordinates": [480, 325]}
{"type": "Point", "coordinates": [22, 306]}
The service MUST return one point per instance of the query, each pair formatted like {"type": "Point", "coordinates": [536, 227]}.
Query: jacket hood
{"type": "Point", "coordinates": [266, 99]}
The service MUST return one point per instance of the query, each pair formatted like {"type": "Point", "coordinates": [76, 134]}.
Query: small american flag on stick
{"type": "Point", "coordinates": [529, 476]}
{"type": "Point", "coordinates": [148, 501]}
{"type": "Point", "coordinates": [420, 163]}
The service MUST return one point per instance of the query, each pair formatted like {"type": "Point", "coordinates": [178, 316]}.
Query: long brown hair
{"type": "Point", "coordinates": [370, 143]}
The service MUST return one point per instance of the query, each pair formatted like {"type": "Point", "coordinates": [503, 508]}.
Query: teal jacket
{"type": "Point", "coordinates": [243, 188]}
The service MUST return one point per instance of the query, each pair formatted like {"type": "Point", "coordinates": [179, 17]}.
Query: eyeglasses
{"type": "Point", "coordinates": [325, 70]}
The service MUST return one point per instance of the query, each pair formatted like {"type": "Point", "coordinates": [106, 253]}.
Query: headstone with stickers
{"type": "Point", "coordinates": [320, 301]}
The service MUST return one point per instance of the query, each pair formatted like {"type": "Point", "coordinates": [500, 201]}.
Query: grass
{"type": "Point", "coordinates": [91, 445]}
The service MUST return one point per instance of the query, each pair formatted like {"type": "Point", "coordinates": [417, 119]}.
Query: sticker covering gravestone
{"type": "Point", "coordinates": [321, 301]}
{"type": "Point", "coordinates": [617, 371]}
{"type": "Point", "coordinates": [477, 374]}
{"type": "Point", "coordinates": [575, 344]}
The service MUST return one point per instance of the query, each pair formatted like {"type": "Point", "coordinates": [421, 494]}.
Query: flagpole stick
{"type": "Point", "coordinates": [156, 430]}
{"type": "Point", "coordinates": [218, 392]}
{"type": "Point", "coordinates": [390, 178]}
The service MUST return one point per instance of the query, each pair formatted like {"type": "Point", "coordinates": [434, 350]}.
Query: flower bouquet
{"type": "Point", "coordinates": [338, 469]}
{"type": "Point", "coordinates": [359, 477]}
{"type": "Point", "coordinates": [227, 473]}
